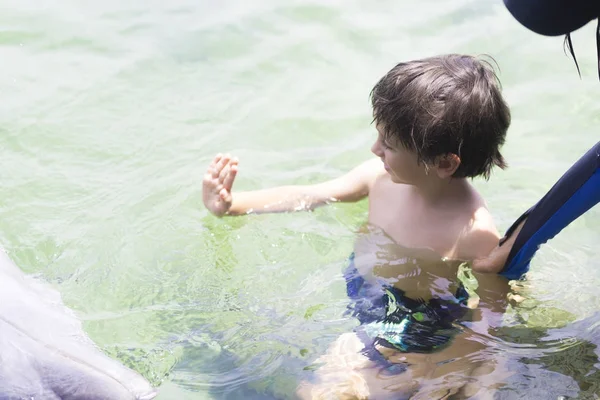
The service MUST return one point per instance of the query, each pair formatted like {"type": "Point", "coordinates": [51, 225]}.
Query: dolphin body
{"type": "Point", "coordinates": [46, 355]}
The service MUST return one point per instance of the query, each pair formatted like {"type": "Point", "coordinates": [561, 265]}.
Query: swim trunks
{"type": "Point", "coordinates": [389, 318]}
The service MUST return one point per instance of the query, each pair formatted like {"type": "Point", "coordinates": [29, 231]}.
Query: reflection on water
{"type": "Point", "coordinates": [566, 358]}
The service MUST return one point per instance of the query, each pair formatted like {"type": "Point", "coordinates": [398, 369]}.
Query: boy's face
{"type": "Point", "coordinates": [401, 163]}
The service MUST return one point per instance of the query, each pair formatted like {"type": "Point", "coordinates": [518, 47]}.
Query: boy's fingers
{"type": "Point", "coordinates": [224, 173]}
{"type": "Point", "coordinates": [220, 164]}
{"type": "Point", "coordinates": [225, 195]}
{"type": "Point", "coordinates": [216, 159]}
{"type": "Point", "coordinates": [228, 181]}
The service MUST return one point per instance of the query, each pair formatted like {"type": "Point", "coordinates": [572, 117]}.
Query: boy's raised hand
{"type": "Point", "coordinates": [217, 183]}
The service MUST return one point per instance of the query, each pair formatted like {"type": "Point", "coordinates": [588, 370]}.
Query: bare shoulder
{"type": "Point", "coordinates": [370, 171]}
{"type": "Point", "coordinates": [355, 185]}
{"type": "Point", "coordinates": [365, 174]}
{"type": "Point", "coordinates": [480, 237]}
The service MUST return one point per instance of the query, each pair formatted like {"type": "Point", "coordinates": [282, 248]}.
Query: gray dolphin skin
{"type": "Point", "coordinates": [46, 355]}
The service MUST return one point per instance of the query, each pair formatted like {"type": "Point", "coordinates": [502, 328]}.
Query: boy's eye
{"type": "Point", "coordinates": [384, 142]}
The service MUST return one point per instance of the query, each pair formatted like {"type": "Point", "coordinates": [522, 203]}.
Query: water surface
{"type": "Point", "coordinates": [111, 112]}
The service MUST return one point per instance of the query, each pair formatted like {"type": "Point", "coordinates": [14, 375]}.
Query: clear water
{"type": "Point", "coordinates": [112, 110]}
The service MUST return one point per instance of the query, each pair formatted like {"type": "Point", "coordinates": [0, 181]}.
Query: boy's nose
{"type": "Point", "coordinates": [376, 149]}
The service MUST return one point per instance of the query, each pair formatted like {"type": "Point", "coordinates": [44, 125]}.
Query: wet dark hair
{"type": "Point", "coordinates": [445, 104]}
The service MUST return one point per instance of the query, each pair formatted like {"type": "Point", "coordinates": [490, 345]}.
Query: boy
{"type": "Point", "coordinates": [440, 120]}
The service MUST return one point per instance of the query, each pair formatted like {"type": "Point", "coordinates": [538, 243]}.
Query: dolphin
{"type": "Point", "coordinates": [46, 355]}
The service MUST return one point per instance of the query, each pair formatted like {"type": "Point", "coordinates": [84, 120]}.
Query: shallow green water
{"type": "Point", "coordinates": [111, 112]}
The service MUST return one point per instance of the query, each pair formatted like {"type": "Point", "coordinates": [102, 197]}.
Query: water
{"type": "Point", "coordinates": [111, 112]}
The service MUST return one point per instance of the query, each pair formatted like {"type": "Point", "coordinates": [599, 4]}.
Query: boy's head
{"type": "Point", "coordinates": [444, 105]}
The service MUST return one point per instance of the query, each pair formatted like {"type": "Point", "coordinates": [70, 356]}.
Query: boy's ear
{"type": "Point", "coordinates": [447, 165]}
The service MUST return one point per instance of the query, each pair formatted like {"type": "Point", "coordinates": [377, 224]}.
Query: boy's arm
{"type": "Point", "coordinates": [480, 237]}
{"type": "Point", "coordinates": [220, 200]}
{"type": "Point", "coordinates": [494, 262]}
